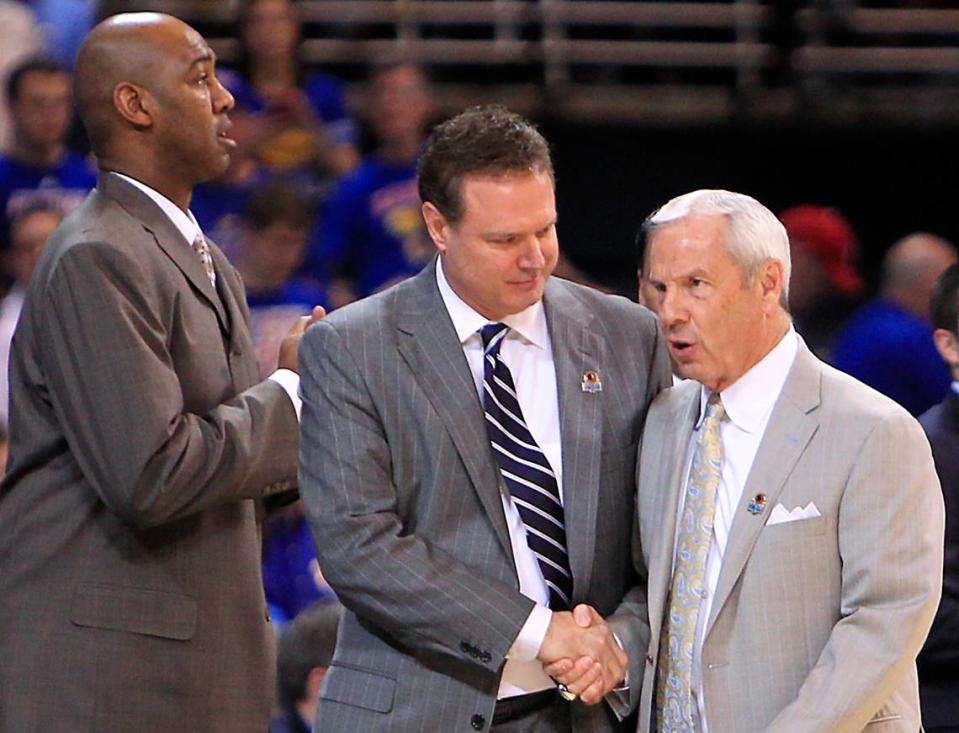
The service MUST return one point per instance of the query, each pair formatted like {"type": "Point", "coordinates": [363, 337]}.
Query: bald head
{"type": "Point", "coordinates": [128, 48]}
{"type": "Point", "coordinates": [911, 267]}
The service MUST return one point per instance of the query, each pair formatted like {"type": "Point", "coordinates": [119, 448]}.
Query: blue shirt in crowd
{"type": "Point", "coordinates": [371, 230]}
{"type": "Point", "coordinates": [892, 351]}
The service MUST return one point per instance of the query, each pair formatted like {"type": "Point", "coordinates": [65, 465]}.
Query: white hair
{"type": "Point", "coordinates": [755, 234]}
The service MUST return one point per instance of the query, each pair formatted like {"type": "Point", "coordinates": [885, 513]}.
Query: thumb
{"type": "Point", "coordinates": [583, 615]}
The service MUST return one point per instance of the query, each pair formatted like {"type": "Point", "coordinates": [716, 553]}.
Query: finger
{"type": "Point", "coordinates": [582, 615]}
{"type": "Point", "coordinates": [595, 692]}
{"type": "Point", "coordinates": [559, 668]}
{"type": "Point", "coordinates": [580, 667]}
{"type": "Point", "coordinates": [586, 680]}
{"type": "Point", "coordinates": [318, 313]}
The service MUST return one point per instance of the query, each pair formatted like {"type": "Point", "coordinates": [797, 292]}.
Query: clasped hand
{"type": "Point", "coordinates": [580, 652]}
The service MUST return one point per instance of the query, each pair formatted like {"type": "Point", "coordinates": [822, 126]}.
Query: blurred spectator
{"type": "Point", "coordinates": [65, 23]}
{"type": "Point", "coordinates": [37, 164]}
{"type": "Point", "coordinates": [305, 651]}
{"type": "Point", "coordinates": [825, 286]}
{"type": "Point", "coordinates": [29, 232]}
{"type": "Point", "coordinates": [277, 221]}
{"type": "Point", "coordinates": [888, 342]}
{"type": "Point", "coordinates": [290, 119]}
{"type": "Point", "coordinates": [373, 233]}
{"type": "Point", "coordinates": [20, 38]}
{"type": "Point", "coordinates": [292, 577]}
{"type": "Point", "coordinates": [938, 662]}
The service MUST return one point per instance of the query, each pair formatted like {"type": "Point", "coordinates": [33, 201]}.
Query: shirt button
{"type": "Point", "coordinates": [477, 722]}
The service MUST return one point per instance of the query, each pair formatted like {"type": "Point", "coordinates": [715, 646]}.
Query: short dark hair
{"type": "Point", "coordinates": [944, 301]}
{"type": "Point", "coordinates": [490, 140]}
{"type": "Point", "coordinates": [40, 64]}
{"type": "Point", "coordinates": [307, 643]}
{"type": "Point", "coordinates": [278, 201]}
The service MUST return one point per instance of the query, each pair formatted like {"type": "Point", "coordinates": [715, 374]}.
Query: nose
{"type": "Point", "coordinates": [533, 257]}
{"type": "Point", "coordinates": [221, 98]}
{"type": "Point", "coordinates": [672, 310]}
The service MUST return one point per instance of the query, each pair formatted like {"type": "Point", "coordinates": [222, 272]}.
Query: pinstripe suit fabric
{"type": "Point", "coordinates": [403, 497]}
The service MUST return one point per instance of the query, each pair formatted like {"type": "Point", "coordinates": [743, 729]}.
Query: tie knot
{"type": "Point", "coordinates": [714, 407]}
{"type": "Point", "coordinates": [493, 335]}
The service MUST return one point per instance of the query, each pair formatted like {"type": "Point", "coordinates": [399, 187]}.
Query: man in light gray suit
{"type": "Point", "coordinates": [141, 435]}
{"type": "Point", "coordinates": [790, 522]}
{"type": "Point", "coordinates": [468, 484]}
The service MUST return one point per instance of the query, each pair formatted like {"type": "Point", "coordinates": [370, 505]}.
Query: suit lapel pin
{"type": "Point", "coordinates": [591, 383]}
{"type": "Point", "coordinates": [757, 505]}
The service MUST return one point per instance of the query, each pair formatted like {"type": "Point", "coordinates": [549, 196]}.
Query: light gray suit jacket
{"type": "Point", "coordinates": [130, 590]}
{"type": "Point", "coordinates": [815, 624]}
{"type": "Point", "coordinates": [403, 497]}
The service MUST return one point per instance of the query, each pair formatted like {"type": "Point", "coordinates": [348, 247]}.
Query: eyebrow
{"type": "Point", "coordinates": [208, 55]}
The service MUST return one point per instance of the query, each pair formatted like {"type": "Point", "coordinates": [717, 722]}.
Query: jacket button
{"type": "Point", "coordinates": [486, 657]}
{"type": "Point", "coordinates": [477, 722]}
{"type": "Point", "coordinates": [649, 658]}
{"type": "Point", "coordinates": [464, 647]}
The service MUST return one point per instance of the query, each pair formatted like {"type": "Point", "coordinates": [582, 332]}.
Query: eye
{"type": "Point", "coordinates": [204, 78]}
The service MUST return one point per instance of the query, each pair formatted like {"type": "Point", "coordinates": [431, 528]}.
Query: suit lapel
{"type": "Point", "coordinates": [668, 481]}
{"type": "Point", "coordinates": [791, 427]}
{"type": "Point", "coordinates": [167, 237]}
{"type": "Point", "coordinates": [577, 348]}
{"type": "Point", "coordinates": [431, 349]}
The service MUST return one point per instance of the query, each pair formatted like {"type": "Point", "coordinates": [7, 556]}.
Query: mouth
{"type": "Point", "coordinates": [223, 135]}
{"type": "Point", "coordinates": [680, 348]}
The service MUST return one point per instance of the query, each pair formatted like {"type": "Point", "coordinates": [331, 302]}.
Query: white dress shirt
{"type": "Point", "coordinates": [528, 353]}
{"type": "Point", "coordinates": [748, 403]}
{"type": "Point", "coordinates": [186, 224]}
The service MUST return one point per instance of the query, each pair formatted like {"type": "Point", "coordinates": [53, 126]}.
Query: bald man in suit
{"type": "Point", "coordinates": [141, 435]}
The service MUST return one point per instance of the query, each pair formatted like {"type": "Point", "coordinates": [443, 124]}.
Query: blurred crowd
{"type": "Point", "coordinates": [321, 207]}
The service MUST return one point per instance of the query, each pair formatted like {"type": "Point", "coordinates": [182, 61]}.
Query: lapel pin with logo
{"type": "Point", "coordinates": [591, 383]}
{"type": "Point", "coordinates": [757, 505]}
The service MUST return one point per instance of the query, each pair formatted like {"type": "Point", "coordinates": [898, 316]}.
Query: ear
{"type": "Point", "coordinates": [771, 281]}
{"type": "Point", "coordinates": [947, 346]}
{"type": "Point", "coordinates": [134, 104]}
{"type": "Point", "coordinates": [437, 226]}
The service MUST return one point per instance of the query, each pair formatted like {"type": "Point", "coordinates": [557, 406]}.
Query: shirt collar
{"type": "Point", "coordinates": [750, 398]}
{"type": "Point", "coordinates": [529, 324]}
{"type": "Point", "coordinates": [184, 222]}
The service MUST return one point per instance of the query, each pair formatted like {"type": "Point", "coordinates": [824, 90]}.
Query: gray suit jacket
{"type": "Point", "coordinates": [403, 496]}
{"type": "Point", "coordinates": [815, 624]}
{"type": "Point", "coordinates": [130, 591]}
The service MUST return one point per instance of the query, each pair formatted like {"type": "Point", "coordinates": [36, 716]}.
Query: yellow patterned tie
{"type": "Point", "coordinates": [675, 698]}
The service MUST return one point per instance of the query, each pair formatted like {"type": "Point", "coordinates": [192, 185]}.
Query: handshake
{"type": "Point", "coordinates": [581, 653]}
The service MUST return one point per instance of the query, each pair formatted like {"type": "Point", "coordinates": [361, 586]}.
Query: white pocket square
{"type": "Point", "coordinates": [780, 514]}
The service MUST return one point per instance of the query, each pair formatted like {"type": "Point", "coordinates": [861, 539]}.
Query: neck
{"type": "Point", "coordinates": [403, 150]}
{"type": "Point", "coordinates": [178, 192]}
{"type": "Point", "coordinates": [37, 156]}
{"type": "Point", "coordinates": [274, 73]}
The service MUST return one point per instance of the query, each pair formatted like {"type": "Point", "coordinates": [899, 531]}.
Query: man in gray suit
{"type": "Point", "coordinates": [141, 435]}
{"type": "Point", "coordinates": [468, 484]}
{"type": "Point", "coordinates": [789, 516]}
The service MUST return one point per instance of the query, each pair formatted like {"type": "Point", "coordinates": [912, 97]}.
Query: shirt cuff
{"type": "Point", "coordinates": [290, 382]}
{"type": "Point", "coordinates": [624, 686]}
{"type": "Point", "coordinates": [530, 638]}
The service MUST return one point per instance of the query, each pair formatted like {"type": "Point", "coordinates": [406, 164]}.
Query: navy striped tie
{"type": "Point", "coordinates": [528, 475]}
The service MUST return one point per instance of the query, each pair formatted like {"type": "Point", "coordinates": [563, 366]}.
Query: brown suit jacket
{"type": "Point", "coordinates": [130, 590]}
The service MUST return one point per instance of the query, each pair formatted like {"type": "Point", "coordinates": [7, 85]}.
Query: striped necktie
{"type": "Point", "coordinates": [675, 699]}
{"type": "Point", "coordinates": [528, 475]}
{"type": "Point", "coordinates": [201, 247]}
